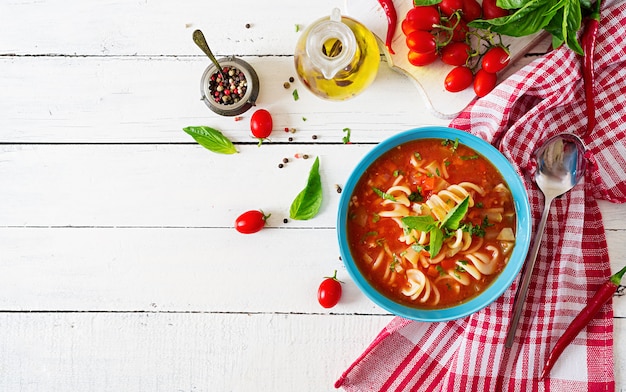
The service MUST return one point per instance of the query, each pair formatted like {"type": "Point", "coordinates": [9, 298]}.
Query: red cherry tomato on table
{"type": "Point", "coordinates": [421, 59]}
{"type": "Point", "coordinates": [421, 41]}
{"type": "Point", "coordinates": [456, 53]}
{"type": "Point", "coordinates": [458, 79]}
{"type": "Point", "coordinates": [261, 124]}
{"type": "Point", "coordinates": [471, 10]}
{"type": "Point", "coordinates": [495, 59]}
{"type": "Point", "coordinates": [251, 221]}
{"type": "Point", "coordinates": [492, 11]}
{"type": "Point", "coordinates": [484, 82]}
{"type": "Point", "coordinates": [449, 7]}
{"type": "Point", "coordinates": [421, 18]}
{"type": "Point", "coordinates": [329, 292]}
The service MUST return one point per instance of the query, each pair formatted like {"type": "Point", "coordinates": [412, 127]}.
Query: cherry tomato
{"type": "Point", "coordinates": [495, 59]}
{"type": "Point", "coordinates": [261, 124]}
{"type": "Point", "coordinates": [421, 41]}
{"type": "Point", "coordinates": [484, 82]}
{"type": "Point", "coordinates": [455, 53]}
{"type": "Point", "coordinates": [251, 221]}
{"type": "Point", "coordinates": [471, 10]}
{"type": "Point", "coordinates": [421, 59]}
{"type": "Point", "coordinates": [449, 7]}
{"type": "Point", "coordinates": [458, 79]}
{"type": "Point", "coordinates": [407, 27]}
{"type": "Point", "coordinates": [492, 11]}
{"type": "Point", "coordinates": [422, 17]}
{"type": "Point", "coordinates": [329, 292]}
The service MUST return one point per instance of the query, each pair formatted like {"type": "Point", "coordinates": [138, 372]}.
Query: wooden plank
{"type": "Point", "coordinates": [190, 351]}
{"type": "Point", "coordinates": [111, 99]}
{"type": "Point", "coordinates": [179, 352]}
{"type": "Point", "coordinates": [171, 269]}
{"type": "Point", "coordinates": [164, 185]}
{"type": "Point", "coordinates": [153, 28]}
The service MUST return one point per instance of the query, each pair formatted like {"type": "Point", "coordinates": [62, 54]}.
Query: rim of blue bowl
{"type": "Point", "coordinates": [523, 227]}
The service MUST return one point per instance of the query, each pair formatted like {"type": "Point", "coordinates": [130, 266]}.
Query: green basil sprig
{"type": "Point", "coordinates": [211, 139]}
{"type": "Point", "coordinates": [427, 223]}
{"type": "Point", "coordinates": [308, 202]}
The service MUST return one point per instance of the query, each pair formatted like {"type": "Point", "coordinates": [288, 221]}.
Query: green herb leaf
{"type": "Point", "coordinates": [384, 195]}
{"type": "Point", "coordinates": [436, 241]}
{"type": "Point", "coordinates": [308, 202]}
{"type": "Point", "coordinates": [560, 18]}
{"type": "Point", "coordinates": [417, 247]}
{"type": "Point", "coordinates": [419, 223]}
{"type": "Point", "coordinates": [295, 95]}
{"type": "Point", "coordinates": [211, 139]}
{"type": "Point", "coordinates": [454, 216]}
{"type": "Point", "coordinates": [418, 3]}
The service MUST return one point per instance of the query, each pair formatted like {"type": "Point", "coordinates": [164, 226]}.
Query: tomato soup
{"type": "Point", "coordinates": [431, 223]}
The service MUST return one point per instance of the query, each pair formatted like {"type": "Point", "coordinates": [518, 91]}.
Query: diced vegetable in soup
{"type": "Point", "coordinates": [431, 223]}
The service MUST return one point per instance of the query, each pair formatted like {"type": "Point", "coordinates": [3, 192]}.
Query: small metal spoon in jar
{"type": "Point", "coordinates": [560, 166]}
{"type": "Point", "coordinates": [199, 39]}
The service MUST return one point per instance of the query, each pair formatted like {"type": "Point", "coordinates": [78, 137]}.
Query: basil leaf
{"type": "Point", "coordinates": [436, 242]}
{"type": "Point", "coordinates": [308, 202]}
{"type": "Point", "coordinates": [532, 17]}
{"type": "Point", "coordinates": [510, 4]}
{"type": "Point", "coordinates": [571, 24]}
{"type": "Point", "coordinates": [211, 139]}
{"type": "Point", "coordinates": [454, 216]}
{"type": "Point", "coordinates": [383, 195]}
{"type": "Point", "coordinates": [418, 3]}
{"type": "Point", "coordinates": [419, 223]}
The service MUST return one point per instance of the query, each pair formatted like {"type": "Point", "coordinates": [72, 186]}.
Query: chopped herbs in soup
{"type": "Point", "coordinates": [431, 223]}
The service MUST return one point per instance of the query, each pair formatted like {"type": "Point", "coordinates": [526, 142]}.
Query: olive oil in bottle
{"type": "Point", "coordinates": [337, 58]}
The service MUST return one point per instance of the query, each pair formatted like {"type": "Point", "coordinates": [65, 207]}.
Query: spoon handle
{"type": "Point", "coordinates": [199, 39]}
{"type": "Point", "coordinates": [522, 290]}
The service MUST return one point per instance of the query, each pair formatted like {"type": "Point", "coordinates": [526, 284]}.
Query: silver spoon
{"type": "Point", "coordinates": [560, 166]}
{"type": "Point", "coordinates": [199, 39]}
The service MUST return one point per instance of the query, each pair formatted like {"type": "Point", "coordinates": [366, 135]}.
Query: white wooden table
{"type": "Point", "coordinates": [120, 269]}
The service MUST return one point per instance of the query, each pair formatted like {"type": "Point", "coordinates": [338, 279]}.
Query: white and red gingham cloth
{"type": "Point", "coordinates": [542, 99]}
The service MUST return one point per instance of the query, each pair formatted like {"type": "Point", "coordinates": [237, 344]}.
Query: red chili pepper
{"type": "Point", "coordinates": [392, 19]}
{"type": "Point", "coordinates": [589, 45]}
{"type": "Point", "coordinates": [604, 293]}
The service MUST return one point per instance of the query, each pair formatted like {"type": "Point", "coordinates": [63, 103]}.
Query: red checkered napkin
{"type": "Point", "coordinates": [543, 99]}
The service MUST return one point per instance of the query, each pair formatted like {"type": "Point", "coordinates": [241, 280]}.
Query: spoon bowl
{"type": "Point", "coordinates": [560, 166]}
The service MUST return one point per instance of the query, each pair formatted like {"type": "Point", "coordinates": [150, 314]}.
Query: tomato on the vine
{"type": "Point", "coordinates": [495, 59]}
{"type": "Point", "coordinates": [471, 10]}
{"type": "Point", "coordinates": [251, 221]}
{"type": "Point", "coordinates": [421, 59]}
{"type": "Point", "coordinates": [261, 124]}
{"type": "Point", "coordinates": [456, 53]}
{"type": "Point", "coordinates": [484, 82]}
{"type": "Point", "coordinates": [329, 291]}
{"type": "Point", "coordinates": [458, 79]}
{"type": "Point", "coordinates": [421, 41]}
{"type": "Point", "coordinates": [460, 29]}
{"type": "Point", "coordinates": [422, 18]}
{"type": "Point", "coordinates": [449, 7]}
{"type": "Point", "coordinates": [491, 10]}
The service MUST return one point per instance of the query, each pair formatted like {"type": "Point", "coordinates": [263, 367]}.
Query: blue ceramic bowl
{"type": "Point", "coordinates": [523, 229]}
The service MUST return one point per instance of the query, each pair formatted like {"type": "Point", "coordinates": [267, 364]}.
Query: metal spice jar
{"type": "Point", "coordinates": [233, 92]}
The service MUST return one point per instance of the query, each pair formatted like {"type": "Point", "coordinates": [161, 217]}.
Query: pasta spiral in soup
{"type": "Point", "coordinates": [431, 223]}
